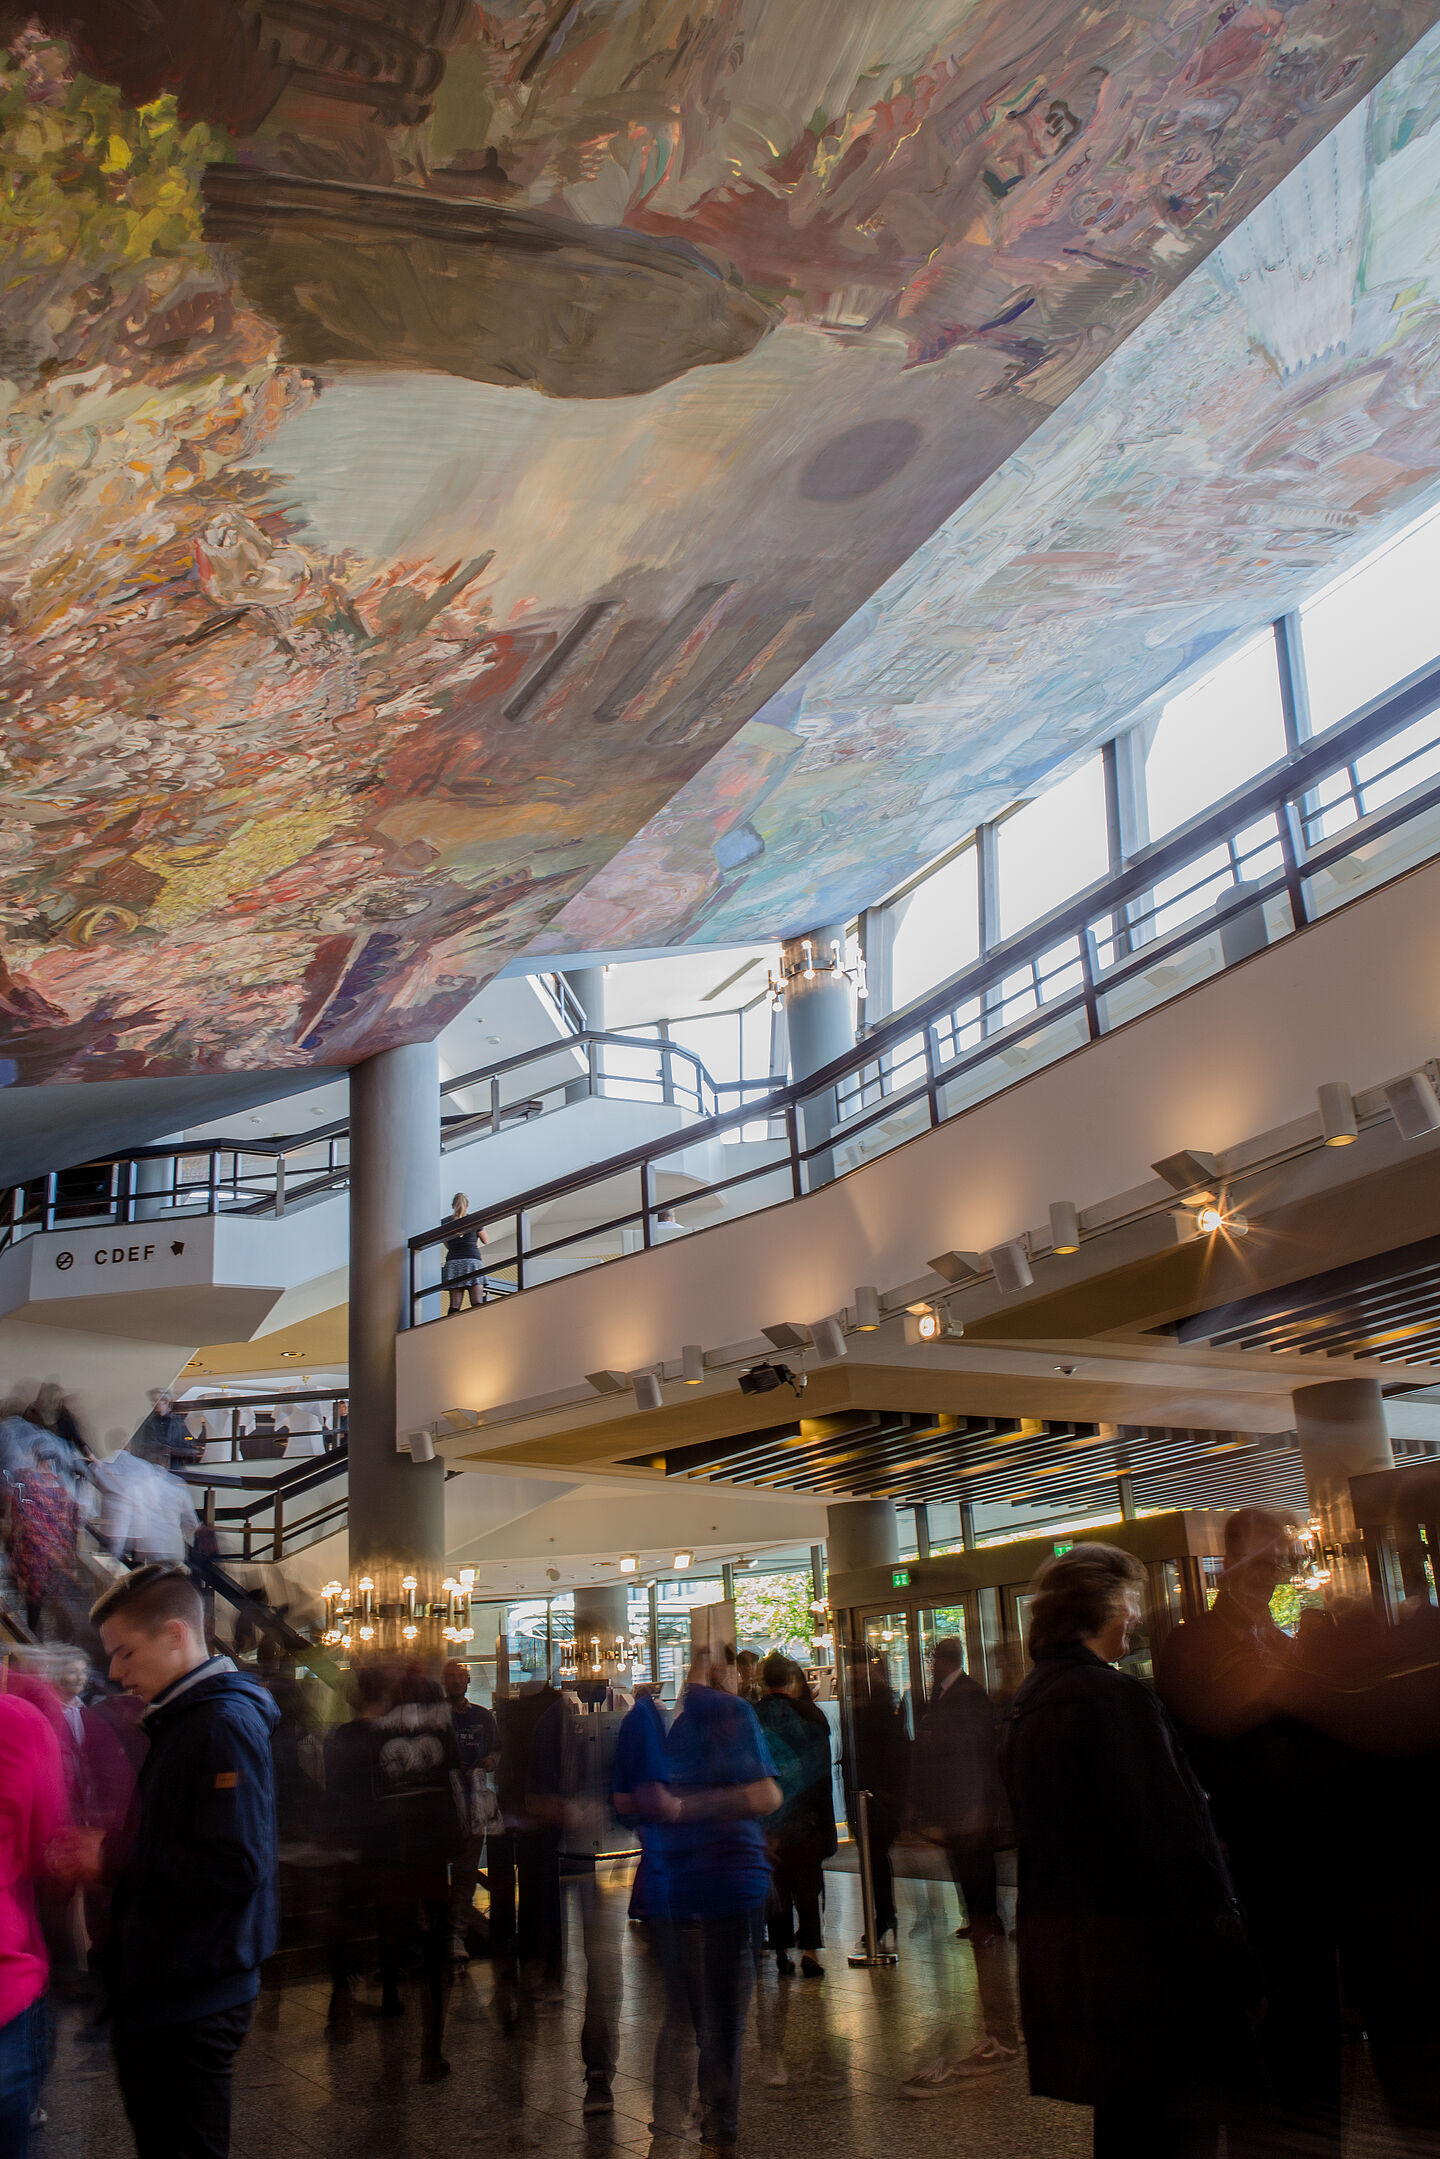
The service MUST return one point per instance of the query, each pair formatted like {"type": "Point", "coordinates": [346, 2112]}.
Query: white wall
{"type": "Point", "coordinates": [1356, 998]}
{"type": "Point", "coordinates": [107, 1377]}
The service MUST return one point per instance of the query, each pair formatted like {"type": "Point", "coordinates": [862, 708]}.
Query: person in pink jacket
{"type": "Point", "coordinates": [32, 1813]}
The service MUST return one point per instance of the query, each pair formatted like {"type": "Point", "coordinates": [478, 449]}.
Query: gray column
{"type": "Point", "coordinates": [601, 1609]}
{"type": "Point", "coordinates": [861, 1533]}
{"type": "Point", "coordinates": [588, 984]}
{"type": "Point", "coordinates": [1342, 1432]}
{"type": "Point", "coordinates": [819, 1027]}
{"type": "Point", "coordinates": [397, 1507]}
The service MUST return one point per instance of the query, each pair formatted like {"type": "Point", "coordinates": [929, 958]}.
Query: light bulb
{"type": "Point", "coordinates": [367, 1634]}
{"type": "Point", "coordinates": [365, 1582]}
{"type": "Point", "coordinates": [467, 1577]}
{"type": "Point", "coordinates": [408, 1581]}
{"type": "Point", "coordinates": [684, 1560]}
{"type": "Point", "coordinates": [409, 1633]}
{"type": "Point", "coordinates": [629, 1561]}
{"type": "Point", "coordinates": [1208, 1220]}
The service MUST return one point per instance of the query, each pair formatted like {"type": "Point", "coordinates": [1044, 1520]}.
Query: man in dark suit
{"type": "Point", "coordinates": [958, 1802]}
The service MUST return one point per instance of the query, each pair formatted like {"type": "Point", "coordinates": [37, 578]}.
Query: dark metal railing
{"type": "Point", "coordinates": [275, 1177]}
{"type": "Point", "coordinates": [1306, 837]}
{"type": "Point", "coordinates": [276, 1521]}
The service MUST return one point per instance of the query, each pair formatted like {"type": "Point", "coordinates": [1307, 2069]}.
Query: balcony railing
{"type": "Point", "coordinates": [273, 1177]}
{"type": "Point", "coordinates": [1347, 812]}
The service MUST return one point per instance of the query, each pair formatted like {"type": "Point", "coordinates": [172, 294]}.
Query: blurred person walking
{"type": "Point", "coordinates": [523, 1861]}
{"type": "Point", "coordinates": [32, 1811]}
{"type": "Point", "coordinates": [477, 1737]}
{"type": "Point", "coordinates": [957, 1800]}
{"type": "Point", "coordinates": [882, 1768]}
{"type": "Point", "coordinates": [163, 1436]}
{"type": "Point", "coordinates": [422, 1828]}
{"type": "Point", "coordinates": [801, 1837]}
{"type": "Point", "coordinates": [1135, 1979]}
{"type": "Point", "coordinates": [720, 1786]}
{"type": "Point", "coordinates": [195, 1907]}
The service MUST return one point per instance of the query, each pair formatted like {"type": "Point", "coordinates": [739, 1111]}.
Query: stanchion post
{"type": "Point", "coordinates": [874, 1954]}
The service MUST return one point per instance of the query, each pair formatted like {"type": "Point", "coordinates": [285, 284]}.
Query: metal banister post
{"type": "Point", "coordinates": [279, 1184]}
{"type": "Point", "coordinates": [873, 1953]}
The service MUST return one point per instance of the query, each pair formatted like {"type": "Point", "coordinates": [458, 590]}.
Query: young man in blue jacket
{"type": "Point", "coordinates": [195, 1907]}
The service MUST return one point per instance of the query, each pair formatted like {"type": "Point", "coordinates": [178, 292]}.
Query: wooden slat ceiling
{"type": "Point", "coordinates": [1386, 1309]}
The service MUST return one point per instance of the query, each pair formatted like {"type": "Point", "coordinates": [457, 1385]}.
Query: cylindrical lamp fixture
{"type": "Point", "coordinates": [1337, 1114]}
{"type": "Point", "coordinates": [829, 1339]}
{"type": "Point", "coordinates": [1064, 1226]}
{"type": "Point", "coordinates": [867, 1308]}
{"type": "Point", "coordinates": [1010, 1264]}
{"type": "Point", "coordinates": [1414, 1105]}
{"type": "Point", "coordinates": [692, 1364]}
{"type": "Point", "coordinates": [647, 1391]}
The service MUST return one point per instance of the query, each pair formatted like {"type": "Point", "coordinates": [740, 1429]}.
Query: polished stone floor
{"type": "Point", "coordinates": [846, 2043]}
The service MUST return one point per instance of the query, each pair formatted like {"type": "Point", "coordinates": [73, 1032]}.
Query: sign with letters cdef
{"type": "Point", "coordinates": [900, 1578]}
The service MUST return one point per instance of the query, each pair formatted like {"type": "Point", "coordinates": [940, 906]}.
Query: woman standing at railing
{"type": "Point", "coordinates": [462, 1270]}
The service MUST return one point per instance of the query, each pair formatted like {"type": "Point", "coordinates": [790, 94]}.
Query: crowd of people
{"type": "Point", "coordinates": [1215, 1874]}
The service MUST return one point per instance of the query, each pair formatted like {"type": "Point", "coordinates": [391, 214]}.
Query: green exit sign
{"type": "Point", "coordinates": [900, 1578]}
{"type": "Point", "coordinates": [1061, 1549]}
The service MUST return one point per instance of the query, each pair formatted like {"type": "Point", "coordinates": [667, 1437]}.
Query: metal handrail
{"type": "Point", "coordinates": [1120, 912]}
{"type": "Point", "coordinates": [244, 1192]}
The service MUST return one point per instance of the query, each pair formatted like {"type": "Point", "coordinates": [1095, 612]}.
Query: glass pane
{"type": "Point", "coordinates": [937, 930]}
{"type": "Point", "coordinates": [989, 1075]}
{"type": "Point", "coordinates": [1373, 626]}
{"type": "Point", "coordinates": [888, 1645]}
{"type": "Point", "coordinates": [1055, 846]}
{"type": "Point", "coordinates": [1215, 736]}
{"type": "Point", "coordinates": [942, 1623]}
{"type": "Point", "coordinates": [715, 1040]}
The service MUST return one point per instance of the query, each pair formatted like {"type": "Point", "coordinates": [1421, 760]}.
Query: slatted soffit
{"type": "Point", "coordinates": [918, 1460]}
{"type": "Point", "coordinates": [1385, 1309]}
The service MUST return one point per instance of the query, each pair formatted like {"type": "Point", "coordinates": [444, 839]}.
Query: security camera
{"type": "Point", "coordinates": [765, 1378]}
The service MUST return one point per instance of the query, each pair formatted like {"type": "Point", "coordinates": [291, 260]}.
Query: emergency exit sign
{"type": "Point", "coordinates": [1061, 1549]}
{"type": "Point", "coordinates": [900, 1578]}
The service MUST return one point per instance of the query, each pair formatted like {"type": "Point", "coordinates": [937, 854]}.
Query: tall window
{"type": "Point", "coordinates": [1215, 735]}
{"type": "Point", "coordinates": [1055, 846]}
{"type": "Point", "coordinates": [937, 930]}
{"type": "Point", "coordinates": [1375, 625]}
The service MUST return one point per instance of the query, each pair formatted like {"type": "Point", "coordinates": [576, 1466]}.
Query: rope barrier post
{"type": "Point", "coordinates": [873, 1955]}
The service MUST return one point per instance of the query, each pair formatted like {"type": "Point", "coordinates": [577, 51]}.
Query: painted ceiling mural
{"type": "Point", "coordinates": [1278, 415]}
{"type": "Point", "coordinates": [432, 431]}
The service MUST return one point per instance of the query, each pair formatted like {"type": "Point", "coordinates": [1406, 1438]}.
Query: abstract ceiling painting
{"type": "Point", "coordinates": [1279, 415]}
{"type": "Point", "coordinates": [431, 433]}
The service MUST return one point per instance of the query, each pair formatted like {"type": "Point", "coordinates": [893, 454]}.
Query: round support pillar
{"type": "Point", "coordinates": [397, 1506]}
{"type": "Point", "coordinates": [861, 1533]}
{"type": "Point", "coordinates": [1342, 1432]}
{"type": "Point", "coordinates": [819, 1027]}
{"type": "Point", "coordinates": [601, 1613]}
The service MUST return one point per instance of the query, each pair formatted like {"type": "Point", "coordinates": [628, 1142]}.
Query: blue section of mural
{"type": "Point", "coordinates": [1278, 416]}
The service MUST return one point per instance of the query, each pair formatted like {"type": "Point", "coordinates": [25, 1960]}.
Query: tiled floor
{"type": "Point", "coordinates": [846, 2041]}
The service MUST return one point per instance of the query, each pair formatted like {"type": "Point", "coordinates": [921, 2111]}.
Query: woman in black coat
{"type": "Point", "coordinates": [801, 1835]}
{"type": "Point", "coordinates": [1135, 1985]}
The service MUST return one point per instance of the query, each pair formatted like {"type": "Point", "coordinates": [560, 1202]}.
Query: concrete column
{"type": "Point", "coordinates": [397, 1507]}
{"type": "Point", "coordinates": [861, 1533]}
{"type": "Point", "coordinates": [1342, 1432]}
{"type": "Point", "coordinates": [588, 984]}
{"type": "Point", "coordinates": [601, 1610]}
{"type": "Point", "coordinates": [819, 1027]}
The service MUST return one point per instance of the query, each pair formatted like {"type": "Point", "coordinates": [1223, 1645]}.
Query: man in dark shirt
{"type": "Point", "coordinates": [477, 1735]}
{"type": "Point", "coordinates": [195, 1907]}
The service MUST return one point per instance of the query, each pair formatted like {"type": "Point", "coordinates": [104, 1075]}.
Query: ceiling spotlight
{"type": "Point", "coordinates": [1011, 1265]}
{"type": "Point", "coordinates": [467, 1578]}
{"type": "Point", "coordinates": [789, 1334]}
{"type": "Point", "coordinates": [608, 1382]}
{"type": "Point", "coordinates": [629, 1562]}
{"type": "Point", "coordinates": [684, 1560]}
{"type": "Point", "coordinates": [932, 1325]}
{"type": "Point", "coordinates": [956, 1266]}
{"type": "Point", "coordinates": [421, 1446]}
{"type": "Point", "coordinates": [867, 1309]}
{"type": "Point", "coordinates": [647, 1391]}
{"type": "Point", "coordinates": [829, 1340]}
{"type": "Point", "coordinates": [1337, 1114]}
{"type": "Point", "coordinates": [1064, 1226]}
{"type": "Point", "coordinates": [1211, 1219]}
{"type": "Point", "coordinates": [1187, 1169]}
{"type": "Point", "coordinates": [1414, 1105]}
{"type": "Point", "coordinates": [765, 1378]}
{"type": "Point", "coordinates": [692, 1365]}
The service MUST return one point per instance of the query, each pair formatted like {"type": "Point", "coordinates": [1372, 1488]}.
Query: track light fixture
{"type": "Point", "coordinates": [829, 1339]}
{"type": "Point", "coordinates": [1414, 1105]}
{"type": "Point", "coordinates": [629, 1562]}
{"type": "Point", "coordinates": [647, 1391]}
{"type": "Point", "coordinates": [788, 1334]}
{"type": "Point", "coordinates": [420, 1446]}
{"type": "Point", "coordinates": [1187, 1169]}
{"type": "Point", "coordinates": [867, 1309]}
{"type": "Point", "coordinates": [692, 1365]}
{"type": "Point", "coordinates": [765, 1378]}
{"type": "Point", "coordinates": [956, 1266]}
{"type": "Point", "coordinates": [1011, 1266]}
{"type": "Point", "coordinates": [1064, 1226]}
{"type": "Point", "coordinates": [608, 1382]}
{"type": "Point", "coordinates": [1337, 1114]}
{"type": "Point", "coordinates": [684, 1560]}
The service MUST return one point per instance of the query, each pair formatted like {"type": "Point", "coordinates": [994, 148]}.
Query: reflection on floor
{"type": "Point", "coordinates": [846, 2043]}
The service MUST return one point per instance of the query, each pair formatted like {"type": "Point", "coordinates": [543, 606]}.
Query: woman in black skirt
{"type": "Point", "coordinates": [462, 1270]}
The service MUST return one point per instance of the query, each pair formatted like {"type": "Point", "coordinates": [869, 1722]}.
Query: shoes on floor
{"type": "Point", "coordinates": [811, 1967]}
{"type": "Point", "coordinates": [990, 2054]}
{"type": "Point", "coordinates": [784, 1965]}
{"type": "Point", "coordinates": [434, 2069]}
{"type": "Point", "coordinates": [885, 1945]}
{"type": "Point", "coordinates": [599, 2099]}
{"type": "Point", "coordinates": [928, 2083]}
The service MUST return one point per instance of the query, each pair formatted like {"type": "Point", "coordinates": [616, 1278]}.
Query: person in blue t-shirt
{"type": "Point", "coordinates": [704, 1789]}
